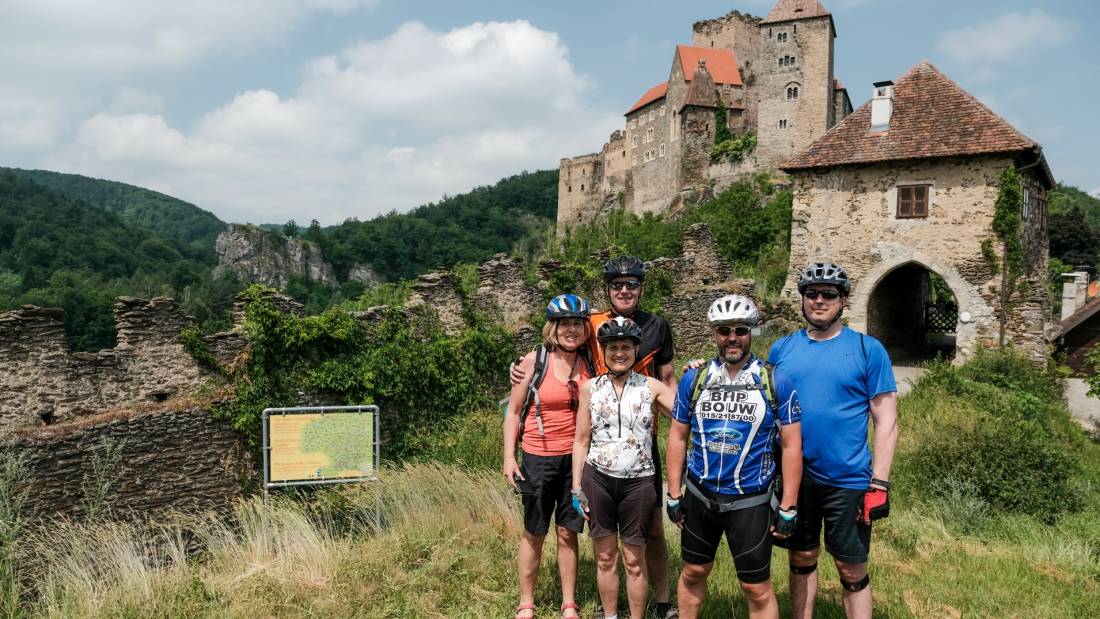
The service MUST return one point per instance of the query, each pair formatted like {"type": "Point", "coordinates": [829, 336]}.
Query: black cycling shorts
{"type": "Point", "coordinates": [846, 538]}
{"type": "Point", "coordinates": [618, 505]}
{"type": "Point", "coordinates": [547, 490]}
{"type": "Point", "coordinates": [747, 531]}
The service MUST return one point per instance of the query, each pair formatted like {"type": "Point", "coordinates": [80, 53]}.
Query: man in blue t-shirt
{"type": "Point", "coordinates": [843, 377]}
{"type": "Point", "coordinates": [734, 411]}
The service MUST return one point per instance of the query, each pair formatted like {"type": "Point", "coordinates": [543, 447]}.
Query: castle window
{"type": "Point", "coordinates": [582, 186]}
{"type": "Point", "coordinates": [792, 93]}
{"type": "Point", "coordinates": [912, 201]}
{"type": "Point", "coordinates": [781, 37]}
{"type": "Point", "coordinates": [569, 189]}
{"type": "Point", "coordinates": [662, 149]}
{"type": "Point", "coordinates": [633, 123]}
{"type": "Point", "coordinates": [783, 123]}
{"type": "Point", "coordinates": [1025, 204]}
{"type": "Point", "coordinates": [662, 110]}
{"type": "Point", "coordinates": [786, 61]}
{"type": "Point", "coordinates": [634, 140]}
{"type": "Point", "coordinates": [652, 115]}
{"type": "Point", "coordinates": [649, 135]}
{"type": "Point", "coordinates": [769, 33]}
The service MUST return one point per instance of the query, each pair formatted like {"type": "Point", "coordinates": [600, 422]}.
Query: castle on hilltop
{"type": "Point", "coordinates": [773, 77]}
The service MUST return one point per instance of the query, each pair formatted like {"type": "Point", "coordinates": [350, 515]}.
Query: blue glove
{"type": "Point", "coordinates": [580, 503]}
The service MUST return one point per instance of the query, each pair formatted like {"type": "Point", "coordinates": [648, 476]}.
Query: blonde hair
{"type": "Point", "coordinates": [550, 333]}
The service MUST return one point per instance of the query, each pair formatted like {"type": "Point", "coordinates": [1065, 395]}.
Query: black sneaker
{"type": "Point", "coordinates": [665, 611]}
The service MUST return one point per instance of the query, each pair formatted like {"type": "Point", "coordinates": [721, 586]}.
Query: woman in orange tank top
{"type": "Point", "coordinates": [544, 479]}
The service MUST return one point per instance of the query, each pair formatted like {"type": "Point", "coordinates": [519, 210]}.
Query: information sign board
{"type": "Point", "coordinates": [320, 445]}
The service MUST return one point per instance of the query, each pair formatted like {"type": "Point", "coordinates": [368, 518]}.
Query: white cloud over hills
{"type": "Point", "coordinates": [381, 124]}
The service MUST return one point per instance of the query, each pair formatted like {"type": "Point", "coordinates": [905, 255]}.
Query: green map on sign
{"type": "Point", "coordinates": [345, 439]}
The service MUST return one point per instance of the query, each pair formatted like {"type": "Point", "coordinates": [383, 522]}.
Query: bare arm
{"type": "Point", "coordinates": [884, 414]}
{"type": "Point", "coordinates": [791, 438]}
{"type": "Point", "coordinates": [676, 455]}
{"type": "Point", "coordinates": [667, 375]}
{"type": "Point", "coordinates": [664, 396]}
{"type": "Point", "coordinates": [582, 440]}
{"type": "Point", "coordinates": [510, 467]}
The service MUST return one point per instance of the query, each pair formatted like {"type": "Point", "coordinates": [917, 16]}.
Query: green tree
{"type": "Point", "coordinates": [290, 229]}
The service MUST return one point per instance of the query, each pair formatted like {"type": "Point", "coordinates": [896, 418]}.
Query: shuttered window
{"type": "Point", "coordinates": [912, 201]}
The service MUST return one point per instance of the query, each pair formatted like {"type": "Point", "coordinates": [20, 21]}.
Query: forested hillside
{"type": "Point", "coordinates": [469, 227]}
{"type": "Point", "coordinates": [1074, 226]}
{"type": "Point", "coordinates": [170, 217]}
{"type": "Point", "coordinates": [59, 252]}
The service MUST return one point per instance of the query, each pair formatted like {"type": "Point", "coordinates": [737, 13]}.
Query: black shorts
{"type": "Point", "coordinates": [618, 505]}
{"type": "Point", "coordinates": [748, 533]}
{"type": "Point", "coordinates": [846, 538]}
{"type": "Point", "coordinates": [546, 491]}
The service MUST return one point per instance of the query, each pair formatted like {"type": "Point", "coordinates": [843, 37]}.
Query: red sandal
{"type": "Point", "coordinates": [523, 607]}
{"type": "Point", "coordinates": [570, 606]}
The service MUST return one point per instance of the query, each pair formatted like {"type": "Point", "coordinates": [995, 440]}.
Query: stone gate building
{"type": "Point", "coordinates": [902, 194]}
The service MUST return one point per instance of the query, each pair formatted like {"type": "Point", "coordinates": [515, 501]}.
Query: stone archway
{"type": "Point", "coordinates": [914, 314]}
{"type": "Point", "coordinates": [869, 306]}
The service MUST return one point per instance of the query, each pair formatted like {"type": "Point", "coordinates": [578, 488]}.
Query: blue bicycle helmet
{"type": "Point", "coordinates": [567, 306]}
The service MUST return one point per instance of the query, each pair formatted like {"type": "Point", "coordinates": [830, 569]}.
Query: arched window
{"type": "Point", "coordinates": [662, 149]}
{"type": "Point", "coordinates": [792, 92]}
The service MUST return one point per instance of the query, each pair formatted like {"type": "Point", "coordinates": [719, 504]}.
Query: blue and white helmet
{"type": "Point", "coordinates": [567, 306]}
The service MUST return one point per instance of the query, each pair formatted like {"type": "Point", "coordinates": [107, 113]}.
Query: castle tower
{"type": "Point", "coordinates": [698, 126]}
{"type": "Point", "coordinates": [795, 82]}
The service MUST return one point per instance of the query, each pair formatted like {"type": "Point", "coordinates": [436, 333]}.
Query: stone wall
{"type": "Point", "coordinates": [847, 215]}
{"type": "Point", "coordinates": [42, 382]}
{"type": "Point", "coordinates": [257, 255]}
{"type": "Point", "coordinates": [810, 42]}
{"type": "Point", "coordinates": [439, 291]}
{"type": "Point", "coordinates": [183, 460]}
{"type": "Point", "coordinates": [503, 291]}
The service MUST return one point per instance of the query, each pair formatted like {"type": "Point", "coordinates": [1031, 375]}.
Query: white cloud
{"type": "Point", "coordinates": [384, 124]}
{"type": "Point", "coordinates": [984, 47]}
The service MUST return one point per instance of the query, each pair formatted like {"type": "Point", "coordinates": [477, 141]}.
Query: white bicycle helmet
{"type": "Point", "coordinates": [824, 273]}
{"type": "Point", "coordinates": [733, 308]}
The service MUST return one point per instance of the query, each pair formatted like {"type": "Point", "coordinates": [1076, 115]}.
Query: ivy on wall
{"type": "Point", "coordinates": [1006, 225]}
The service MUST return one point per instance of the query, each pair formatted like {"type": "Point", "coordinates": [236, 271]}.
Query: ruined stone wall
{"type": "Point", "coordinates": [183, 460]}
{"type": "Point", "coordinates": [503, 291]}
{"type": "Point", "coordinates": [439, 291]}
{"type": "Point", "coordinates": [810, 42]}
{"type": "Point", "coordinates": [698, 138]}
{"type": "Point", "coordinates": [616, 162]}
{"type": "Point", "coordinates": [848, 215]}
{"type": "Point", "coordinates": [739, 32]}
{"type": "Point", "coordinates": [42, 382]}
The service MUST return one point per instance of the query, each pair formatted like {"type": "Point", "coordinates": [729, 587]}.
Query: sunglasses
{"type": "Point", "coordinates": [574, 395]}
{"type": "Point", "coordinates": [740, 331]}
{"type": "Point", "coordinates": [828, 295]}
{"type": "Point", "coordinates": [628, 285]}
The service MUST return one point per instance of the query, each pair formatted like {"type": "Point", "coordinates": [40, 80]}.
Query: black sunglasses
{"type": "Point", "coordinates": [828, 295]}
{"type": "Point", "coordinates": [631, 284]}
{"type": "Point", "coordinates": [741, 331]}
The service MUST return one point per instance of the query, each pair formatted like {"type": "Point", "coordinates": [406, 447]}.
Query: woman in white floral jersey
{"type": "Point", "coordinates": [613, 464]}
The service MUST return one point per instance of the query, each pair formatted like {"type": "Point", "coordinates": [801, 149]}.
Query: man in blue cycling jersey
{"type": "Point", "coordinates": [734, 411]}
{"type": "Point", "coordinates": [843, 378]}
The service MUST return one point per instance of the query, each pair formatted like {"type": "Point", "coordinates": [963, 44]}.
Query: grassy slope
{"type": "Point", "coordinates": [437, 540]}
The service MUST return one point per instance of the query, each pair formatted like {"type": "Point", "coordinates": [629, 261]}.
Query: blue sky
{"type": "Point", "coordinates": [267, 110]}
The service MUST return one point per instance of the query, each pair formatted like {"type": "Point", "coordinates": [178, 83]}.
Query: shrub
{"type": "Point", "coordinates": [407, 365]}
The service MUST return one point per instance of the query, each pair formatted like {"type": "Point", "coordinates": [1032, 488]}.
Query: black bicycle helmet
{"type": "Point", "coordinates": [824, 273]}
{"type": "Point", "coordinates": [567, 306]}
{"type": "Point", "coordinates": [624, 266]}
{"type": "Point", "coordinates": [619, 328]}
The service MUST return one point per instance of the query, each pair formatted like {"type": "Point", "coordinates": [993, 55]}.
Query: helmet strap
{"type": "Point", "coordinates": [817, 327]}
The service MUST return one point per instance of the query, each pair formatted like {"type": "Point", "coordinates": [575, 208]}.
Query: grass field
{"type": "Point", "coordinates": [437, 539]}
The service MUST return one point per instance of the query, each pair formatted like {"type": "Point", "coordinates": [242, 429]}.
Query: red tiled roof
{"type": "Point", "coordinates": [932, 117]}
{"type": "Point", "coordinates": [651, 95]}
{"type": "Point", "coordinates": [787, 10]}
{"type": "Point", "coordinates": [721, 63]}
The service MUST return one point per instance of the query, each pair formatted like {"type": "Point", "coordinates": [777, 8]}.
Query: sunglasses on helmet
{"type": "Point", "coordinates": [828, 295]}
{"type": "Point", "coordinates": [740, 331]}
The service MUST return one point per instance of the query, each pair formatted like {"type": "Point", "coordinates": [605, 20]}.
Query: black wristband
{"type": "Point", "coordinates": [880, 482]}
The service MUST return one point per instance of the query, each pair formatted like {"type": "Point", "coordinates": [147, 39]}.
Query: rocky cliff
{"type": "Point", "coordinates": [256, 255]}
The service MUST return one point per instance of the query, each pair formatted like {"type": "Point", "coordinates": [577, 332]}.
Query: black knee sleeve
{"type": "Point", "coordinates": [803, 570]}
{"type": "Point", "coordinates": [859, 585]}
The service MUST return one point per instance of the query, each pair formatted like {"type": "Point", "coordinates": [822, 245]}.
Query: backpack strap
{"type": "Point", "coordinates": [532, 397]}
{"type": "Point", "coordinates": [768, 382]}
{"type": "Point", "coordinates": [697, 386]}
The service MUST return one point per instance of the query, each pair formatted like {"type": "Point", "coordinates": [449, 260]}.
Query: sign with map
{"type": "Point", "coordinates": [320, 445]}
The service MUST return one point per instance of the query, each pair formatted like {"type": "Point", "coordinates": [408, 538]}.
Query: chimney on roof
{"type": "Point", "coordinates": [882, 106]}
{"type": "Point", "coordinates": [1074, 288]}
